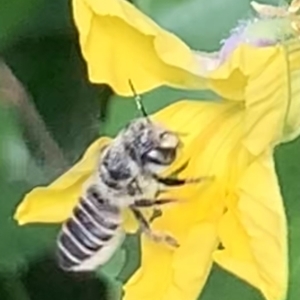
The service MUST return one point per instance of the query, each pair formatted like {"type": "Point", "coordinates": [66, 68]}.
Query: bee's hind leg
{"type": "Point", "coordinates": [158, 237]}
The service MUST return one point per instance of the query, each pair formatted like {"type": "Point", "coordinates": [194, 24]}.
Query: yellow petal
{"type": "Point", "coordinates": [230, 79]}
{"type": "Point", "coordinates": [296, 25]}
{"type": "Point", "coordinates": [291, 128]}
{"type": "Point", "coordinates": [267, 81]}
{"type": "Point", "coordinates": [120, 43]}
{"type": "Point", "coordinates": [253, 231]}
{"type": "Point", "coordinates": [213, 129]}
{"type": "Point", "coordinates": [55, 203]}
{"type": "Point", "coordinates": [273, 100]}
{"type": "Point", "coordinates": [294, 6]}
{"type": "Point", "coordinates": [213, 141]}
{"type": "Point", "coordinates": [214, 132]}
{"type": "Point", "coordinates": [174, 275]}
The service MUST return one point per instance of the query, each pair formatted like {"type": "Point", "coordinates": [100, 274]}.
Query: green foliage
{"type": "Point", "coordinates": [39, 42]}
{"type": "Point", "coordinates": [12, 18]}
{"type": "Point", "coordinates": [201, 24]}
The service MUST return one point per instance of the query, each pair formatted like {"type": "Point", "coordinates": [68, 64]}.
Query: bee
{"type": "Point", "coordinates": [127, 176]}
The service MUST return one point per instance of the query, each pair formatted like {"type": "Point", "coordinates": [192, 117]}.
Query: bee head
{"type": "Point", "coordinates": [151, 145]}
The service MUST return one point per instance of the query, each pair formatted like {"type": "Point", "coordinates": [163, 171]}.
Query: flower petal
{"type": "Point", "coordinates": [55, 203]}
{"type": "Point", "coordinates": [212, 130]}
{"type": "Point", "coordinates": [267, 81]}
{"type": "Point", "coordinates": [120, 43]}
{"type": "Point", "coordinates": [273, 100]}
{"type": "Point", "coordinates": [214, 137]}
{"type": "Point", "coordinates": [230, 79]}
{"type": "Point", "coordinates": [182, 273]}
{"type": "Point", "coordinates": [294, 6]}
{"type": "Point", "coordinates": [192, 221]}
{"type": "Point", "coordinates": [253, 231]}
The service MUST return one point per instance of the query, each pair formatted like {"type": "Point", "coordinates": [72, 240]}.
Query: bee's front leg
{"type": "Point", "coordinates": [170, 181]}
{"type": "Point", "coordinates": [158, 237]}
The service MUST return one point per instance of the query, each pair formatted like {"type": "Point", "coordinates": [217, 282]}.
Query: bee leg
{"type": "Point", "coordinates": [156, 214]}
{"type": "Point", "coordinates": [169, 181]}
{"type": "Point", "coordinates": [155, 236]}
{"type": "Point", "coordinates": [149, 202]}
{"type": "Point", "coordinates": [142, 203]}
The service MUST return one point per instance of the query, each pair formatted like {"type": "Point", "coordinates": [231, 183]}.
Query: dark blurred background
{"type": "Point", "coordinates": [49, 113]}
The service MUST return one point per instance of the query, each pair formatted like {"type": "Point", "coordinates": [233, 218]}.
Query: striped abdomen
{"type": "Point", "coordinates": [90, 237]}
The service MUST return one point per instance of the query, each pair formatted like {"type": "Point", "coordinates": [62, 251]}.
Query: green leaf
{"type": "Point", "coordinates": [124, 262]}
{"type": "Point", "coordinates": [29, 18]}
{"type": "Point", "coordinates": [115, 289]}
{"type": "Point", "coordinates": [289, 174]}
{"type": "Point", "coordinates": [132, 248]}
{"type": "Point", "coordinates": [114, 266]}
{"type": "Point", "coordinates": [109, 273]}
{"type": "Point", "coordinates": [121, 266]}
{"type": "Point", "coordinates": [201, 24]}
{"type": "Point", "coordinates": [14, 16]}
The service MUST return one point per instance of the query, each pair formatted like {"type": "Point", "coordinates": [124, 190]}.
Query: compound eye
{"type": "Point", "coordinates": [161, 156]}
{"type": "Point", "coordinates": [164, 135]}
{"type": "Point", "coordinates": [168, 140]}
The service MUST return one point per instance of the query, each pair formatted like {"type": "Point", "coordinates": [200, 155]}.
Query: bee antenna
{"type": "Point", "coordinates": [138, 100]}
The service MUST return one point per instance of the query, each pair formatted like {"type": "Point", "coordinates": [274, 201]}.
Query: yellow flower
{"type": "Point", "coordinates": [120, 43]}
{"type": "Point", "coordinates": [232, 140]}
{"type": "Point", "coordinates": [113, 32]}
{"type": "Point", "coordinates": [242, 208]}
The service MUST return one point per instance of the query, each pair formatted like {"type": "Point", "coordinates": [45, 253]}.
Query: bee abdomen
{"type": "Point", "coordinates": [90, 228]}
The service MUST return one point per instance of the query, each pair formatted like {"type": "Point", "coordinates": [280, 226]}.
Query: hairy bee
{"type": "Point", "coordinates": [127, 177]}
